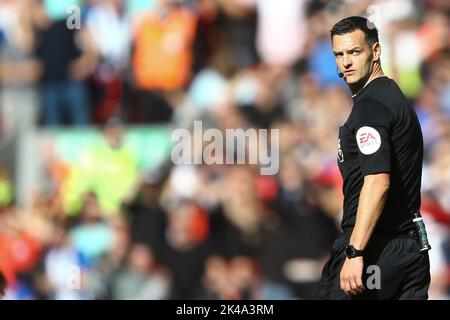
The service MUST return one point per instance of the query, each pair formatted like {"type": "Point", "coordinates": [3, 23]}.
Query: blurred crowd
{"type": "Point", "coordinates": [203, 231]}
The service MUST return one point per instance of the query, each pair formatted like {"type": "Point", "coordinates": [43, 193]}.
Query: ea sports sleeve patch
{"type": "Point", "coordinates": [374, 150]}
{"type": "Point", "coordinates": [372, 123]}
{"type": "Point", "coordinates": [368, 139]}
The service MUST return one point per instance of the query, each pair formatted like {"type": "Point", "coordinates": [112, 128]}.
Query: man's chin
{"type": "Point", "coordinates": [352, 80]}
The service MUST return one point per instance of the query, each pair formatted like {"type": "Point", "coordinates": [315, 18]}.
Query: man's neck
{"type": "Point", "coordinates": [357, 87]}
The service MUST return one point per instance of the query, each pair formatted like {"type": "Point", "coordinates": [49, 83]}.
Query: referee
{"type": "Point", "coordinates": [380, 153]}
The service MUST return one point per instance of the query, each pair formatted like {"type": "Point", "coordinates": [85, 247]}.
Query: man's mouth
{"type": "Point", "coordinates": [349, 72]}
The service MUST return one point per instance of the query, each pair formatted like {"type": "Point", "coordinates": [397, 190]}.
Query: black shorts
{"type": "Point", "coordinates": [404, 270]}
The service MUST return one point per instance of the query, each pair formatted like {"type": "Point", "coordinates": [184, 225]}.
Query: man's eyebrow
{"type": "Point", "coordinates": [351, 49]}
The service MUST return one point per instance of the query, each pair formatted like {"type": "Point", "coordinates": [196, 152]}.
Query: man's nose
{"type": "Point", "coordinates": [347, 61]}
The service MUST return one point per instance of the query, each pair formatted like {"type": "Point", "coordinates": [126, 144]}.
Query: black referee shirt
{"type": "Point", "coordinates": [382, 134]}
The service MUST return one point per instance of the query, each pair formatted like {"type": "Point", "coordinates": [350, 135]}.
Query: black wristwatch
{"type": "Point", "coordinates": [351, 252]}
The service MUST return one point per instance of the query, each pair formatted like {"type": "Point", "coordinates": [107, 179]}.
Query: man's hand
{"type": "Point", "coordinates": [351, 276]}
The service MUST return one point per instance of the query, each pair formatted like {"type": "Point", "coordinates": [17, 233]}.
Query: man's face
{"type": "Point", "coordinates": [353, 56]}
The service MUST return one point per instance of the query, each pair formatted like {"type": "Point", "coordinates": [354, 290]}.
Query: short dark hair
{"type": "Point", "coordinates": [353, 23]}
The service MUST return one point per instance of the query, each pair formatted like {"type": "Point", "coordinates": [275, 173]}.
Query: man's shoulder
{"type": "Point", "coordinates": [386, 91]}
{"type": "Point", "coordinates": [370, 110]}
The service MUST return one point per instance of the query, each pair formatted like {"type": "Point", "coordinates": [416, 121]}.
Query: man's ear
{"type": "Point", "coordinates": [376, 51]}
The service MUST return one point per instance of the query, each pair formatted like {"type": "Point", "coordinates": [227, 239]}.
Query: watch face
{"type": "Point", "coordinates": [350, 252]}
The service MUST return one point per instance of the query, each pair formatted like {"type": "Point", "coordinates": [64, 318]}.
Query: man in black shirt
{"type": "Point", "coordinates": [380, 153]}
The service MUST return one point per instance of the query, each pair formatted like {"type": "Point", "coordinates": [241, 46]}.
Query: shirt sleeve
{"type": "Point", "coordinates": [372, 131]}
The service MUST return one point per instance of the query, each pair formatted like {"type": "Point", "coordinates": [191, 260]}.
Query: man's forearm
{"type": "Point", "coordinates": [371, 203]}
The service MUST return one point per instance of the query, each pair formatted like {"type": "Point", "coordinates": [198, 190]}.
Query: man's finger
{"type": "Point", "coordinates": [344, 285]}
{"type": "Point", "coordinates": [359, 282]}
{"type": "Point", "coordinates": [354, 288]}
{"type": "Point", "coordinates": [357, 291]}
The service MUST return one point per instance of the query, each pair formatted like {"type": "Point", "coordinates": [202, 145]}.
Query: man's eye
{"type": "Point", "coordinates": [338, 54]}
{"type": "Point", "coordinates": [356, 52]}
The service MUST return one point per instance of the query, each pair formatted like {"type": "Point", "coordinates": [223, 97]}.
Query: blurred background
{"type": "Point", "coordinates": [91, 206]}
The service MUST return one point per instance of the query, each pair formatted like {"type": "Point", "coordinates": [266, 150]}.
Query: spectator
{"type": "Point", "coordinates": [110, 31]}
{"type": "Point", "coordinates": [186, 248]}
{"type": "Point", "coordinates": [67, 59]}
{"type": "Point", "coordinates": [162, 58]}
{"type": "Point", "coordinates": [140, 279]}
{"type": "Point", "coordinates": [2, 285]}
